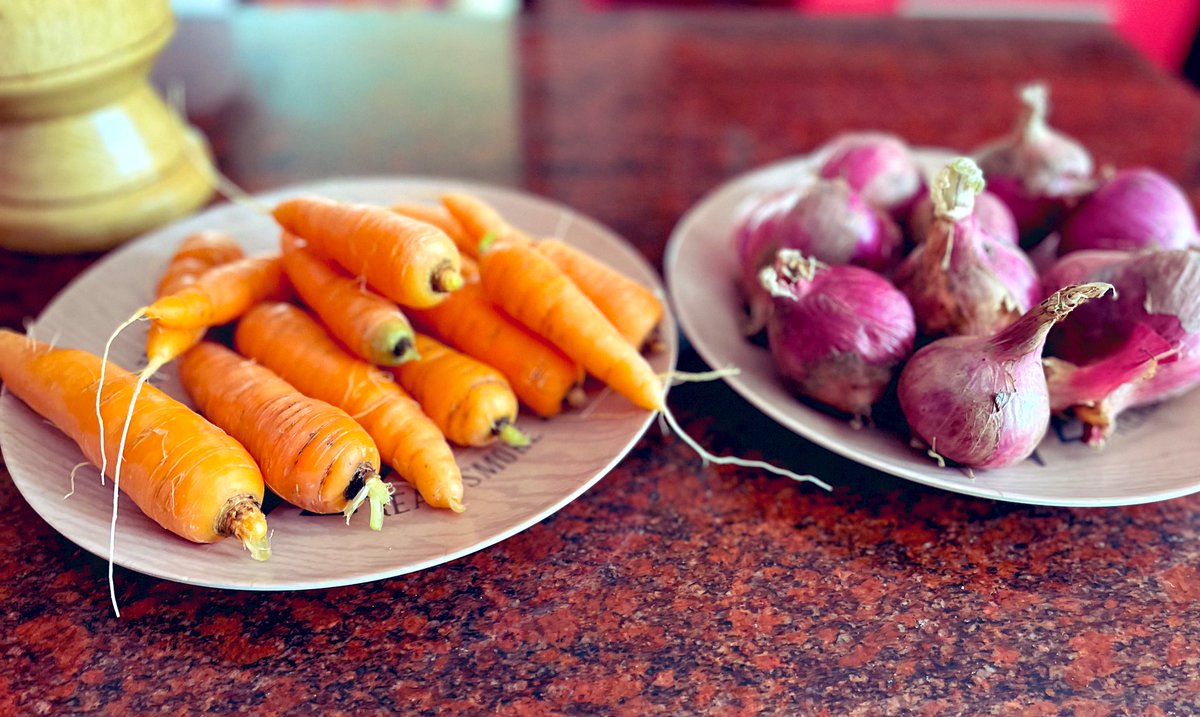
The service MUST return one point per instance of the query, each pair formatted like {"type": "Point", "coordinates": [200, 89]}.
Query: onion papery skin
{"type": "Point", "coordinates": [1160, 289]}
{"type": "Point", "coordinates": [879, 166]}
{"type": "Point", "coordinates": [1097, 392]}
{"type": "Point", "coordinates": [825, 220]}
{"type": "Point", "coordinates": [1134, 209]}
{"type": "Point", "coordinates": [836, 333]}
{"type": "Point", "coordinates": [983, 402]}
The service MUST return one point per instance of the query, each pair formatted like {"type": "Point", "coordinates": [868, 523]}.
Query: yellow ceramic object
{"type": "Point", "coordinates": [90, 155]}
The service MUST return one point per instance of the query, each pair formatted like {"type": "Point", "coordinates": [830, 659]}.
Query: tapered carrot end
{"type": "Point", "coordinates": [244, 520]}
{"type": "Point", "coordinates": [456, 505]}
{"type": "Point", "coordinates": [378, 493]}
{"type": "Point", "coordinates": [510, 435]}
{"type": "Point", "coordinates": [447, 278]}
{"type": "Point", "coordinates": [576, 397]}
{"type": "Point", "coordinates": [394, 345]}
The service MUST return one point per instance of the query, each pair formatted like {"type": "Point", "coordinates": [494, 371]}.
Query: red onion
{"type": "Point", "coordinates": [960, 280]}
{"type": "Point", "coordinates": [1097, 392]}
{"type": "Point", "coordinates": [982, 401]}
{"type": "Point", "coordinates": [1135, 209]}
{"type": "Point", "coordinates": [1036, 170]}
{"type": "Point", "coordinates": [879, 166]}
{"type": "Point", "coordinates": [836, 333]}
{"type": "Point", "coordinates": [1160, 289]}
{"type": "Point", "coordinates": [993, 215]}
{"type": "Point", "coordinates": [1157, 291]}
{"type": "Point", "coordinates": [826, 220]}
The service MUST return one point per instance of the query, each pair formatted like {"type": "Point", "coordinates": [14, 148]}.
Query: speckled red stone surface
{"type": "Point", "coordinates": [671, 587]}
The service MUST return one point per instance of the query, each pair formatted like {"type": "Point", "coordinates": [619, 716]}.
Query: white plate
{"type": "Point", "coordinates": [507, 490]}
{"type": "Point", "coordinates": [1153, 456]}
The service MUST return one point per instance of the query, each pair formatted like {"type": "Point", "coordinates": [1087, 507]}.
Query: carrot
{"type": "Point", "coordinates": [469, 400]}
{"type": "Point", "coordinates": [184, 473]}
{"type": "Point", "coordinates": [542, 376]}
{"type": "Point", "coordinates": [365, 322]}
{"type": "Point", "coordinates": [531, 289]}
{"type": "Point", "coordinates": [286, 339]}
{"type": "Point", "coordinates": [631, 307]}
{"type": "Point", "coordinates": [312, 454]}
{"type": "Point", "coordinates": [439, 217]}
{"type": "Point", "coordinates": [220, 295]}
{"type": "Point", "coordinates": [196, 254]}
{"type": "Point", "coordinates": [479, 220]}
{"type": "Point", "coordinates": [410, 262]}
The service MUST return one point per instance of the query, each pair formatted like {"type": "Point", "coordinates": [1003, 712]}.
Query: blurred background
{"type": "Point", "coordinates": [1163, 31]}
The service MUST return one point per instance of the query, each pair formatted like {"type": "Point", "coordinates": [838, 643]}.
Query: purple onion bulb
{"type": "Point", "coordinates": [960, 280]}
{"type": "Point", "coordinates": [1036, 170]}
{"type": "Point", "coordinates": [879, 166]}
{"type": "Point", "coordinates": [836, 333]}
{"type": "Point", "coordinates": [1135, 209]}
{"type": "Point", "coordinates": [983, 402]}
{"type": "Point", "coordinates": [825, 220]}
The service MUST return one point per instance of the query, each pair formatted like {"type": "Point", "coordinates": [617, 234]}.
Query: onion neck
{"type": "Point", "coordinates": [1031, 126]}
{"type": "Point", "coordinates": [954, 189]}
{"type": "Point", "coordinates": [792, 274]}
{"type": "Point", "coordinates": [1027, 335]}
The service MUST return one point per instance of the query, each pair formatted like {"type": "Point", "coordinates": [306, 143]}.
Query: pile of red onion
{"type": "Point", "coordinates": [873, 255]}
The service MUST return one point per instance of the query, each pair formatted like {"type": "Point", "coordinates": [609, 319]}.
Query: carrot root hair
{"type": "Point", "coordinates": [705, 455]}
{"type": "Point", "coordinates": [100, 387]}
{"type": "Point", "coordinates": [378, 492]}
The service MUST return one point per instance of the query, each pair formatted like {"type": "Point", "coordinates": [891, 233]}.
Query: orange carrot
{"type": "Point", "coordinates": [286, 339]}
{"type": "Point", "coordinates": [312, 454]}
{"type": "Point", "coordinates": [440, 218]}
{"type": "Point", "coordinates": [631, 307]}
{"type": "Point", "coordinates": [410, 262]}
{"type": "Point", "coordinates": [479, 220]}
{"type": "Point", "coordinates": [469, 400]}
{"type": "Point", "coordinates": [541, 375]}
{"type": "Point", "coordinates": [531, 289]}
{"type": "Point", "coordinates": [365, 322]}
{"type": "Point", "coordinates": [196, 254]}
{"type": "Point", "coordinates": [220, 295]}
{"type": "Point", "coordinates": [183, 472]}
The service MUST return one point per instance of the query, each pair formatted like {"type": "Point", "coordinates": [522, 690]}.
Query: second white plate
{"type": "Point", "coordinates": [1153, 456]}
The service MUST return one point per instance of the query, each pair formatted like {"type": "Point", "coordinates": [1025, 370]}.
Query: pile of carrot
{"type": "Point", "coordinates": [374, 340]}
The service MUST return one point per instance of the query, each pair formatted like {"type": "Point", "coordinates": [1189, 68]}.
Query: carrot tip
{"type": "Point", "coordinates": [576, 397]}
{"type": "Point", "coordinates": [511, 435]}
{"type": "Point", "coordinates": [378, 493]}
{"type": "Point", "coordinates": [456, 505]}
{"type": "Point", "coordinates": [486, 241]}
{"type": "Point", "coordinates": [244, 520]}
{"type": "Point", "coordinates": [404, 350]}
{"type": "Point", "coordinates": [446, 279]}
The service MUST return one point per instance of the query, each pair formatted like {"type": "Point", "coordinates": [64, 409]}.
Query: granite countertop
{"type": "Point", "coordinates": [672, 586]}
